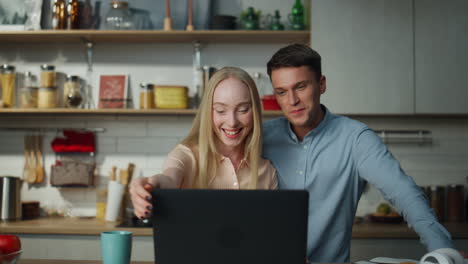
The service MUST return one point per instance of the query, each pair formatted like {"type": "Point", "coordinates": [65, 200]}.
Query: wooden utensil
{"type": "Point", "coordinates": [167, 19]}
{"type": "Point", "coordinates": [123, 176]}
{"type": "Point", "coordinates": [190, 10]}
{"type": "Point", "coordinates": [26, 158]}
{"type": "Point", "coordinates": [113, 174]}
{"type": "Point", "coordinates": [130, 170]}
{"type": "Point", "coordinates": [32, 161]}
{"type": "Point", "coordinates": [40, 173]}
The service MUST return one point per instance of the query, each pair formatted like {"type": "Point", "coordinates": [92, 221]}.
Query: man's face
{"type": "Point", "coordinates": [298, 93]}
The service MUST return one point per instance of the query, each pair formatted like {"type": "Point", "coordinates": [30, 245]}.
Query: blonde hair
{"type": "Point", "coordinates": [201, 138]}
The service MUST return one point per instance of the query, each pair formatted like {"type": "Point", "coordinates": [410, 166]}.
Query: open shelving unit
{"type": "Point", "coordinates": [67, 111]}
{"type": "Point", "coordinates": [155, 36]}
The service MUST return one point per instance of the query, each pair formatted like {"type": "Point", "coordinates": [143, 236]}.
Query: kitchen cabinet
{"type": "Point", "coordinates": [367, 55]}
{"type": "Point", "coordinates": [441, 56]}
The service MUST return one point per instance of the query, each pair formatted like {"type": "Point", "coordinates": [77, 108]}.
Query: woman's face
{"type": "Point", "coordinates": [232, 113]}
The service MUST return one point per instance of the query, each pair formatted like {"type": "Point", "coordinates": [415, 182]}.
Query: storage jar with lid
{"type": "Point", "coordinates": [48, 76]}
{"type": "Point", "coordinates": [73, 97]}
{"type": "Point", "coordinates": [7, 84]}
{"type": "Point", "coordinates": [146, 96]}
{"type": "Point", "coordinates": [28, 93]}
{"type": "Point", "coordinates": [47, 97]}
{"type": "Point", "coordinates": [119, 16]}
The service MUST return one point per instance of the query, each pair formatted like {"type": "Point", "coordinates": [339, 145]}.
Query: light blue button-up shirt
{"type": "Point", "coordinates": [333, 162]}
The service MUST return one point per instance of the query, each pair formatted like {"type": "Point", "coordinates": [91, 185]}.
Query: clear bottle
{"type": "Point", "coordinates": [119, 16]}
{"type": "Point", "coordinates": [29, 91]}
{"type": "Point", "coordinates": [146, 96]}
{"type": "Point", "coordinates": [59, 15]}
{"type": "Point", "coordinates": [7, 84]}
{"type": "Point", "coordinates": [73, 97]}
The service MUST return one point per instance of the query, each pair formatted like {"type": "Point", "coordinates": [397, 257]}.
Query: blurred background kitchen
{"type": "Point", "coordinates": [397, 65]}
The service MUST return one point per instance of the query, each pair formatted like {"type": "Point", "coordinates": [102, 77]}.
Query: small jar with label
{"type": "Point", "coordinates": [48, 76]}
{"type": "Point", "coordinates": [47, 97]}
{"type": "Point", "coordinates": [72, 92]}
{"type": "Point", "coordinates": [28, 93]}
{"type": "Point", "coordinates": [7, 85]}
{"type": "Point", "coordinates": [146, 96]}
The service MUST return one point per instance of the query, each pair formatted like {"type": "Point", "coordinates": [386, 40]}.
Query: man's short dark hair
{"type": "Point", "coordinates": [296, 55]}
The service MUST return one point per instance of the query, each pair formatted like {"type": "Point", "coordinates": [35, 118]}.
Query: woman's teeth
{"type": "Point", "coordinates": [232, 132]}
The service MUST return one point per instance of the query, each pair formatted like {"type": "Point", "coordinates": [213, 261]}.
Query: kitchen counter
{"type": "Point", "coordinates": [76, 226]}
{"type": "Point", "coordinates": [67, 226]}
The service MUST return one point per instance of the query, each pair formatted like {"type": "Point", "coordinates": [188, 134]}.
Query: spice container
{"type": "Point", "coordinates": [28, 93]}
{"type": "Point", "coordinates": [171, 97]}
{"type": "Point", "coordinates": [146, 96]}
{"type": "Point", "coordinates": [437, 201]}
{"type": "Point", "coordinates": [47, 97]}
{"type": "Point", "coordinates": [455, 203]}
{"type": "Point", "coordinates": [7, 82]}
{"type": "Point", "coordinates": [72, 96]}
{"type": "Point", "coordinates": [48, 76]}
{"type": "Point", "coordinates": [101, 203]}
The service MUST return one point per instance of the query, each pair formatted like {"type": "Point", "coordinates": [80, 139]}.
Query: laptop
{"type": "Point", "coordinates": [230, 226]}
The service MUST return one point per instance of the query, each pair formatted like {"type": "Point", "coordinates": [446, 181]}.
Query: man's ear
{"type": "Point", "coordinates": [323, 84]}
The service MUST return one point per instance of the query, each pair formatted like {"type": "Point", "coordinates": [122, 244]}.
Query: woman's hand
{"type": "Point", "coordinates": [140, 193]}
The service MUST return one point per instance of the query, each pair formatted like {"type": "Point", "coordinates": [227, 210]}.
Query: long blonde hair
{"type": "Point", "coordinates": [201, 138]}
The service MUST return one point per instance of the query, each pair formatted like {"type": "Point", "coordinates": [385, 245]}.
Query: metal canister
{"type": "Point", "coordinates": [10, 194]}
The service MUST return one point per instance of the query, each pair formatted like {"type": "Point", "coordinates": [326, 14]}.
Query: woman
{"type": "Point", "coordinates": [222, 150]}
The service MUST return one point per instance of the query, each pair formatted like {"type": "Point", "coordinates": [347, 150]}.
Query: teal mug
{"type": "Point", "coordinates": [116, 247]}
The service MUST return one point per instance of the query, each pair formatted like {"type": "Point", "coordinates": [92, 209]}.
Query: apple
{"type": "Point", "coordinates": [9, 244]}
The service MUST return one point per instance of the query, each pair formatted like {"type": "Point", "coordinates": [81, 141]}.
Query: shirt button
{"type": "Point", "coordinates": [305, 147]}
{"type": "Point", "coordinates": [300, 172]}
{"type": "Point", "coordinates": [235, 184]}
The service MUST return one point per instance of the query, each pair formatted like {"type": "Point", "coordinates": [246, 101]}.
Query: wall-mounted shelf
{"type": "Point", "coordinates": [63, 111]}
{"type": "Point", "coordinates": [155, 36]}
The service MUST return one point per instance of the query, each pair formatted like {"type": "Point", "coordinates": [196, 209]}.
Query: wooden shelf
{"type": "Point", "coordinates": [64, 111]}
{"type": "Point", "coordinates": [155, 36]}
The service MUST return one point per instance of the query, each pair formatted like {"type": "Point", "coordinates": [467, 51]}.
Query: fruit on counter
{"type": "Point", "coordinates": [383, 209]}
{"type": "Point", "coordinates": [9, 244]}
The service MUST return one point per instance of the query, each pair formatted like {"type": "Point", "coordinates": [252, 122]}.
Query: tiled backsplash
{"type": "Point", "coordinates": [146, 140]}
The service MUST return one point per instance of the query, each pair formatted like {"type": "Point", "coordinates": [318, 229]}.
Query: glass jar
{"type": "Point", "coordinates": [48, 76]}
{"type": "Point", "coordinates": [7, 82]}
{"type": "Point", "coordinates": [47, 97]}
{"type": "Point", "coordinates": [119, 16]}
{"type": "Point", "coordinates": [146, 96]}
{"type": "Point", "coordinates": [72, 96]}
{"type": "Point", "coordinates": [28, 93]}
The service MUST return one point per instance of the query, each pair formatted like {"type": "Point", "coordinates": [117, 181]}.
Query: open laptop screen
{"type": "Point", "coordinates": [230, 226]}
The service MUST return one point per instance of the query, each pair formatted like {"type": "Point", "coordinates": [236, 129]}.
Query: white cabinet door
{"type": "Point", "coordinates": [441, 56]}
{"type": "Point", "coordinates": [367, 54]}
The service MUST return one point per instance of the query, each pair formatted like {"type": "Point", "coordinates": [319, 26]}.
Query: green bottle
{"type": "Point", "coordinates": [296, 18]}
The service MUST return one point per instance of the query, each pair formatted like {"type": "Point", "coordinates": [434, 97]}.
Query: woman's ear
{"type": "Point", "coordinates": [323, 84]}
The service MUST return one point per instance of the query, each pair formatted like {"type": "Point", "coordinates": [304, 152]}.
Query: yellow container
{"type": "Point", "coordinates": [171, 97]}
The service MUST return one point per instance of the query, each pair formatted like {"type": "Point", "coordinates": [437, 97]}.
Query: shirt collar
{"type": "Point", "coordinates": [322, 124]}
{"type": "Point", "coordinates": [244, 162]}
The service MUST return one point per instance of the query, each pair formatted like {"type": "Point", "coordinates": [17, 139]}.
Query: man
{"type": "Point", "coordinates": [333, 157]}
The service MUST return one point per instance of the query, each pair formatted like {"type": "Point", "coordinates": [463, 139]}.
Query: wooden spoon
{"type": "Point", "coordinates": [39, 167]}
{"type": "Point", "coordinates": [167, 19]}
{"type": "Point", "coordinates": [26, 158]}
{"type": "Point", "coordinates": [32, 161]}
{"type": "Point", "coordinates": [190, 10]}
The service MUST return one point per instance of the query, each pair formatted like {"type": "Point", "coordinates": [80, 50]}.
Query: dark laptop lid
{"type": "Point", "coordinates": [230, 226]}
